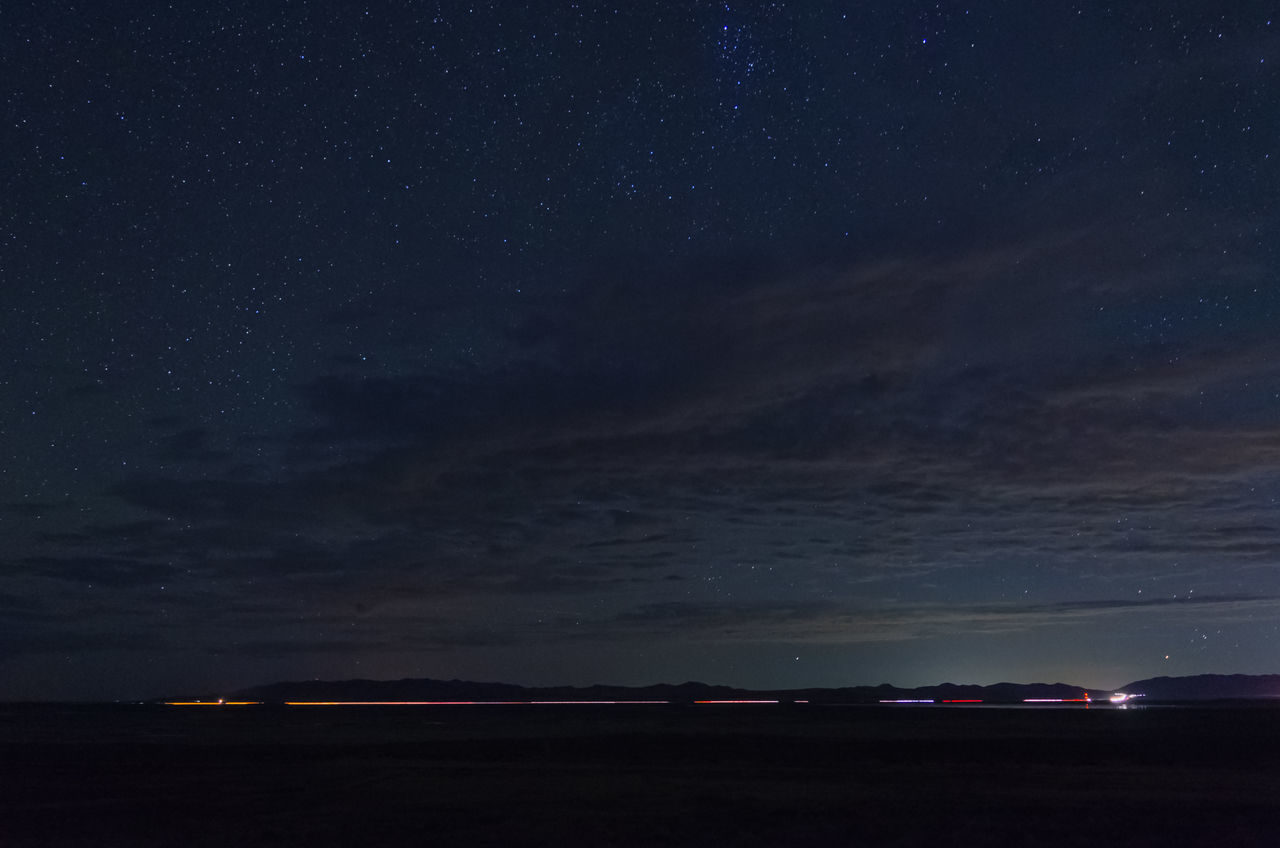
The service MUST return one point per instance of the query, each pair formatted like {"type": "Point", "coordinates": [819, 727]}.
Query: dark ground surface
{"type": "Point", "coordinates": [693, 775]}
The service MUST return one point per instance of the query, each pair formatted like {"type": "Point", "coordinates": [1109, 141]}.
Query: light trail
{"type": "Point", "coordinates": [217, 703]}
{"type": "Point", "coordinates": [736, 701]}
{"type": "Point", "coordinates": [910, 701]}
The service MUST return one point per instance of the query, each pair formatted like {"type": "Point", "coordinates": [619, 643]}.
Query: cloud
{"type": "Point", "coordinates": [843, 436]}
{"type": "Point", "coordinates": [833, 624]}
{"type": "Point", "coordinates": [30, 509]}
{"type": "Point", "coordinates": [105, 571]}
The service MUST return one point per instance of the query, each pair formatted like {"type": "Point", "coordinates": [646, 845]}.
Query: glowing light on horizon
{"type": "Point", "coordinates": [736, 701]}
{"type": "Point", "coordinates": [217, 703]}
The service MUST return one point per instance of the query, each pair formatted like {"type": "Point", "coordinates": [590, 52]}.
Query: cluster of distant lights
{"type": "Point", "coordinates": [1117, 698]}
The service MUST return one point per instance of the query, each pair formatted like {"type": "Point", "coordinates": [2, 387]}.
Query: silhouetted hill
{"type": "Point", "coordinates": [1201, 687]}
{"type": "Point", "coordinates": [426, 689]}
{"type": "Point", "coordinates": [1207, 687]}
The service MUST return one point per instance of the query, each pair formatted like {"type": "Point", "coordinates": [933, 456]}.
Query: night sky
{"type": "Point", "coordinates": [767, 344]}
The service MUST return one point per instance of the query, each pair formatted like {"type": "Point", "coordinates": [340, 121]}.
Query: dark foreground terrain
{"type": "Point", "coordinates": [657, 775]}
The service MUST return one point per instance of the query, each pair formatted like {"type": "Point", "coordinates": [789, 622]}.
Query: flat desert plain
{"type": "Point", "coordinates": [764, 775]}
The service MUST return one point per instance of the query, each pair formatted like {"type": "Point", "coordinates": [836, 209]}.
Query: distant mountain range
{"type": "Point", "coordinates": [1198, 688]}
{"type": "Point", "coordinates": [463, 690]}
